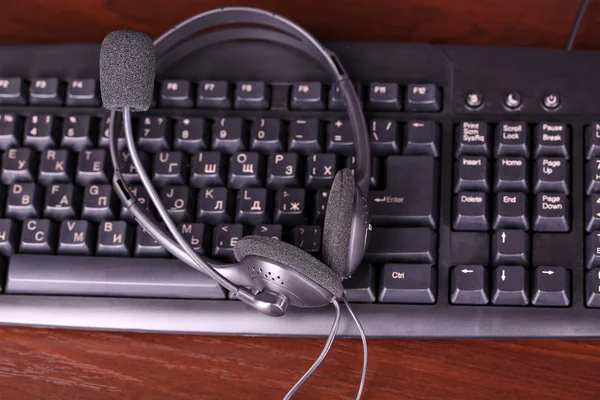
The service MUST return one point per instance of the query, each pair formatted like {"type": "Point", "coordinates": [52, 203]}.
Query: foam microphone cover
{"type": "Point", "coordinates": [127, 64]}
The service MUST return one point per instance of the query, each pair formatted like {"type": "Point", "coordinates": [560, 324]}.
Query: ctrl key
{"type": "Point", "coordinates": [407, 283]}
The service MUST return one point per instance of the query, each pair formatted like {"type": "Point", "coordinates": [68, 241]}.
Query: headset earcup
{"type": "Point", "coordinates": [292, 257]}
{"type": "Point", "coordinates": [338, 222]}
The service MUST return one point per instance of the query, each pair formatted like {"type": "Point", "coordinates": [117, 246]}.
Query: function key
{"type": "Point", "coordinates": [83, 92]}
{"type": "Point", "coordinates": [423, 97]}
{"type": "Point", "coordinates": [472, 138]}
{"type": "Point", "coordinates": [336, 98]}
{"type": "Point", "coordinates": [551, 139]}
{"type": "Point", "coordinates": [308, 96]}
{"type": "Point", "coordinates": [512, 139]}
{"type": "Point", "coordinates": [176, 94]}
{"type": "Point", "coordinates": [252, 94]}
{"type": "Point", "coordinates": [11, 126]}
{"type": "Point", "coordinates": [13, 91]}
{"type": "Point", "coordinates": [422, 138]}
{"type": "Point", "coordinates": [384, 96]}
{"type": "Point", "coordinates": [191, 135]}
{"type": "Point", "coordinates": [48, 91]}
{"type": "Point", "coordinates": [592, 140]}
{"type": "Point", "coordinates": [213, 94]}
{"type": "Point", "coordinates": [385, 137]}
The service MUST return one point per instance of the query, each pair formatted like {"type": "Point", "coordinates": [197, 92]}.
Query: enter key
{"type": "Point", "coordinates": [410, 197]}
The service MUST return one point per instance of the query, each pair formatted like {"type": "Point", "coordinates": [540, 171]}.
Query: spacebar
{"type": "Point", "coordinates": [108, 276]}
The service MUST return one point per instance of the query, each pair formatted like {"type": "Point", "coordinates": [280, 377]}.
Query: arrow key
{"type": "Point", "coordinates": [511, 246]}
{"type": "Point", "coordinates": [510, 286]}
{"type": "Point", "coordinates": [551, 287]}
{"type": "Point", "coordinates": [469, 285]}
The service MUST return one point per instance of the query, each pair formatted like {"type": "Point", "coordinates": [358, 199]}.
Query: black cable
{"type": "Point", "coordinates": [577, 23]}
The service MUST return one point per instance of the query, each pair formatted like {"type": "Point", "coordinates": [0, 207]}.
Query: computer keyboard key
{"type": "Point", "coordinates": [229, 135]}
{"type": "Point", "coordinates": [208, 168]}
{"type": "Point", "coordinates": [307, 96]}
{"type": "Point", "coordinates": [340, 139]}
{"type": "Point", "coordinates": [76, 238]}
{"type": "Point", "coordinates": [10, 232]}
{"type": "Point", "coordinates": [38, 236]}
{"type": "Point", "coordinates": [191, 135]}
{"type": "Point", "coordinates": [93, 166]}
{"type": "Point", "coordinates": [511, 175]}
{"type": "Point", "coordinates": [592, 212]}
{"type": "Point", "coordinates": [140, 193]}
{"type": "Point", "coordinates": [512, 139]}
{"type": "Point", "coordinates": [422, 138]}
{"type": "Point", "coordinates": [19, 165]}
{"type": "Point", "coordinates": [385, 137]}
{"type": "Point", "coordinates": [511, 211]}
{"type": "Point", "coordinates": [473, 139]}
{"type": "Point", "coordinates": [320, 206]}
{"type": "Point", "coordinates": [407, 283]}
{"type": "Point", "coordinates": [11, 130]}
{"type": "Point", "coordinates": [225, 238]}
{"type": "Point", "coordinates": [320, 170]}
{"type": "Point", "coordinates": [592, 176]}
{"type": "Point", "coordinates": [592, 288]}
{"type": "Point", "coordinates": [552, 213]}
{"type": "Point", "coordinates": [115, 239]}
{"type": "Point", "coordinates": [403, 245]}
{"type": "Point", "coordinates": [470, 212]}
{"type": "Point", "coordinates": [284, 171]}
{"type": "Point", "coordinates": [266, 136]}
{"type": "Point", "coordinates": [375, 169]}
{"type": "Point", "coordinates": [253, 206]}
{"type": "Point", "coordinates": [551, 175]}
{"type": "Point", "coordinates": [176, 94]}
{"type": "Point", "coordinates": [24, 201]}
{"type": "Point", "coordinates": [213, 94]}
{"type": "Point", "coordinates": [290, 207]}
{"type": "Point", "coordinates": [128, 170]}
{"type": "Point", "coordinates": [63, 201]}
{"type": "Point", "coordinates": [510, 286]}
{"type": "Point", "coordinates": [154, 134]}
{"type": "Point", "coordinates": [305, 137]}
{"type": "Point", "coordinates": [551, 287]}
{"type": "Point", "coordinates": [100, 203]}
{"type": "Point", "coordinates": [307, 237]}
{"type": "Point", "coordinates": [592, 250]}
{"type": "Point", "coordinates": [46, 91]}
{"type": "Point", "coordinates": [252, 95]}
{"type": "Point", "coordinates": [411, 193]}
{"type": "Point", "coordinates": [469, 285]}
{"type": "Point", "coordinates": [215, 205]}
{"type": "Point", "coordinates": [56, 166]}
{"type": "Point", "coordinates": [197, 235]}
{"type": "Point", "coordinates": [179, 202]}
{"type": "Point", "coordinates": [361, 286]}
{"type": "Point", "coordinates": [471, 173]}
{"type": "Point", "coordinates": [13, 91]}
{"type": "Point", "coordinates": [423, 97]}
{"type": "Point", "coordinates": [592, 140]}
{"type": "Point", "coordinates": [552, 139]}
{"type": "Point", "coordinates": [170, 168]}
{"type": "Point", "coordinates": [511, 247]}
{"type": "Point", "coordinates": [146, 246]}
{"type": "Point", "coordinates": [102, 276]}
{"type": "Point", "coordinates": [384, 96]}
{"type": "Point", "coordinates": [336, 98]}
{"type": "Point", "coordinates": [42, 132]}
{"type": "Point", "coordinates": [83, 92]}
{"type": "Point", "coordinates": [246, 170]}
{"type": "Point", "coordinates": [104, 137]}
{"type": "Point", "coordinates": [272, 231]}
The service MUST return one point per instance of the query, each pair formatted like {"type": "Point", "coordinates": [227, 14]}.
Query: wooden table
{"type": "Point", "coordinates": [61, 364]}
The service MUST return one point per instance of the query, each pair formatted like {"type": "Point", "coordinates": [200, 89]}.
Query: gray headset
{"type": "Point", "coordinates": [270, 275]}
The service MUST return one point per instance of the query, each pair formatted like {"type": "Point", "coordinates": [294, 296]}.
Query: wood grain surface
{"type": "Point", "coordinates": [62, 364]}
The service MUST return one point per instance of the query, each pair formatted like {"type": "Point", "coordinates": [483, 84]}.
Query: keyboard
{"type": "Point", "coordinates": [485, 192]}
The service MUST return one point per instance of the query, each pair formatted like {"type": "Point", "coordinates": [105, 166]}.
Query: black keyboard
{"type": "Point", "coordinates": [485, 195]}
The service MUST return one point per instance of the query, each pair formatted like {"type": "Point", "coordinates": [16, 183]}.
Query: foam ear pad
{"type": "Point", "coordinates": [338, 221]}
{"type": "Point", "coordinates": [292, 257]}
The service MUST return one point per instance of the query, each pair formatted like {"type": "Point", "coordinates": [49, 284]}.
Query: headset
{"type": "Point", "coordinates": [270, 275]}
